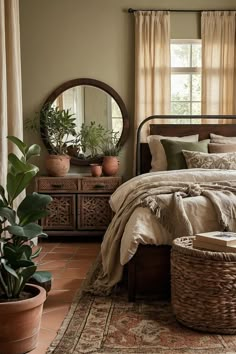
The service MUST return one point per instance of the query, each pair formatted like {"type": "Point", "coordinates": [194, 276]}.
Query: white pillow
{"type": "Point", "coordinates": [220, 139]}
{"type": "Point", "coordinates": [159, 161]}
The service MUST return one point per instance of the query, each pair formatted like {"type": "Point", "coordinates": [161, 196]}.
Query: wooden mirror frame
{"type": "Point", "coordinates": [94, 83]}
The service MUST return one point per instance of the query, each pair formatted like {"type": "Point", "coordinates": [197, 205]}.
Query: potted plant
{"type": "Point", "coordinates": [110, 148]}
{"type": "Point", "coordinates": [20, 303]}
{"type": "Point", "coordinates": [61, 133]}
{"type": "Point", "coordinates": [91, 137]}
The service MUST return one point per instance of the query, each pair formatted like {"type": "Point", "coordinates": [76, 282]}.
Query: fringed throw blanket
{"type": "Point", "coordinates": [167, 203]}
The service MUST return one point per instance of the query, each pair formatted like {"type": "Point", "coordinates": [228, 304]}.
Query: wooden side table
{"type": "Point", "coordinates": [80, 205]}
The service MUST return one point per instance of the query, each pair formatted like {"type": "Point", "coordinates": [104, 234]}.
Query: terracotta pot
{"type": "Point", "coordinates": [20, 322]}
{"type": "Point", "coordinates": [110, 165]}
{"type": "Point", "coordinates": [96, 169]}
{"type": "Point", "coordinates": [57, 165]}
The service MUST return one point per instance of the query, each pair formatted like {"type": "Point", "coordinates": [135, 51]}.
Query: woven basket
{"type": "Point", "coordinates": [203, 287]}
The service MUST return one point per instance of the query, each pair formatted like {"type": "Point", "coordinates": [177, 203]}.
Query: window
{"type": "Point", "coordinates": [186, 77]}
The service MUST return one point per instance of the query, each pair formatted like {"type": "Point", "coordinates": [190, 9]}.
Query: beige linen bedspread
{"type": "Point", "coordinates": [157, 207]}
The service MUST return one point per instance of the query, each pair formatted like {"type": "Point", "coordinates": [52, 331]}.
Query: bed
{"type": "Point", "coordinates": [149, 269]}
{"type": "Point", "coordinates": [139, 243]}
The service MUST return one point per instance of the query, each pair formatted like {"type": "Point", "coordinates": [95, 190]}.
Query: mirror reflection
{"type": "Point", "coordinates": [89, 104]}
{"type": "Point", "coordinates": [97, 109]}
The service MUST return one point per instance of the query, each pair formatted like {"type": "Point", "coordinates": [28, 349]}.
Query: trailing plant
{"type": "Point", "coordinates": [18, 225]}
{"type": "Point", "coordinates": [57, 125]}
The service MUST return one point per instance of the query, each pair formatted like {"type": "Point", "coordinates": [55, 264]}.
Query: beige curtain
{"type": "Point", "coordinates": [152, 65]}
{"type": "Point", "coordinates": [218, 62]}
{"type": "Point", "coordinates": [10, 80]}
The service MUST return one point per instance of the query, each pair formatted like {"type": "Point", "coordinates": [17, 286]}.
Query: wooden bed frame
{"type": "Point", "coordinates": [149, 269]}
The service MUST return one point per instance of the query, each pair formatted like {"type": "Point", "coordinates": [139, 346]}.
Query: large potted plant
{"type": "Point", "coordinates": [20, 303]}
{"type": "Point", "coordinates": [60, 133]}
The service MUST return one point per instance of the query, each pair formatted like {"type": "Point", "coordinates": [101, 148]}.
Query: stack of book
{"type": "Point", "coordinates": [221, 241]}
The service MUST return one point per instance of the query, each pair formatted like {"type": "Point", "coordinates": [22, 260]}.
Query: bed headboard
{"type": "Point", "coordinates": [143, 155]}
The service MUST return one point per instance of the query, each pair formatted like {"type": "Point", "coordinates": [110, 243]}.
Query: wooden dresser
{"type": "Point", "coordinates": [80, 205]}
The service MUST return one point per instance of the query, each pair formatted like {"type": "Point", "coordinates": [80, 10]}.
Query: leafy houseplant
{"type": "Point", "coordinates": [60, 126]}
{"type": "Point", "coordinates": [17, 229]}
{"type": "Point", "coordinates": [59, 129]}
{"type": "Point", "coordinates": [110, 148]}
{"type": "Point", "coordinates": [110, 144]}
{"type": "Point", "coordinates": [90, 137]}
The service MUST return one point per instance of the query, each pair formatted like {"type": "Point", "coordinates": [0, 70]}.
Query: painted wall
{"type": "Point", "coordinates": [67, 39]}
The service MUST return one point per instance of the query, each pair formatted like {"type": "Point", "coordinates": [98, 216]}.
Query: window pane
{"type": "Point", "coordinates": [180, 55]}
{"type": "Point", "coordinates": [117, 125]}
{"type": "Point", "coordinates": [180, 87]}
{"type": "Point", "coordinates": [196, 87]}
{"type": "Point", "coordinates": [196, 55]}
{"type": "Point", "coordinates": [196, 108]}
{"type": "Point", "coordinates": [115, 109]}
{"type": "Point", "coordinates": [180, 108]}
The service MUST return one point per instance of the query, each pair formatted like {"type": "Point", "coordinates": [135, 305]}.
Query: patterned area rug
{"type": "Point", "coordinates": [111, 325]}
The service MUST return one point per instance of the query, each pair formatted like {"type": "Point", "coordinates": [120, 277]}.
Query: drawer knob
{"type": "Point", "coordinates": [57, 185]}
{"type": "Point", "coordinates": [100, 186]}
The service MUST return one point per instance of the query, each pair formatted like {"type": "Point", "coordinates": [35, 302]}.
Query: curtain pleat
{"type": "Point", "coordinates": [152, 65]}
{"type": "Point", "coordinates": [11, 119]}
{"type": "Point", "coordinates": [218, 62]}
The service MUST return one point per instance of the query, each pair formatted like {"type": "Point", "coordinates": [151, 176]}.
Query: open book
{"type": "Point", "coordinates": [224, 238]}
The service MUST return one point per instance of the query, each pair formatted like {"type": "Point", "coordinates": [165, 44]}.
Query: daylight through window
{"type": "Point", "coordinates": [186, 78]}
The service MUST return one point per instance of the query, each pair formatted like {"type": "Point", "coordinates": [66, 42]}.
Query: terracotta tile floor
{"type": "Point", "coordinates": [68, 263]}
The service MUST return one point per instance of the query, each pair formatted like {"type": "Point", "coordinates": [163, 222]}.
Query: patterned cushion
{"type": "Point", "coordinates": [194, 159]}
{"type": "Point", "coordinates": [159, 162]}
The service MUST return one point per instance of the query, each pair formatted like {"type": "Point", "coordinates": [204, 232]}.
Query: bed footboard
{"type": "Point", "coordinates": [149, 272]}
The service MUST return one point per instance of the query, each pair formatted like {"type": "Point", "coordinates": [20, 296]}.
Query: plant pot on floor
{"type": "Point", "coordinates": [20, 322]}
{"type": "Point", "coordinates": [57, 165]}
{"type": "Point", "coordinates": [110, 165]}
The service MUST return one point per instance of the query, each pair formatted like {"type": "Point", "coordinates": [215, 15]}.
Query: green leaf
{"type": "Point", "coordinates": [32, 208]}
{"type": "Point", "coordinates": [26, 273]}
{"type": "Point", "coordinates": [36, 253]}
{"type": "Point", "coordinates": [19, 143]}
{"type": "Point", "coordinates": [17, 164]}
{"type": "Point", "coordinates": [33, 150]}
{"type": "Point", "coordinates": [8, 214]}
{"type": "Point", "coordinates": [16, 185]}
{"type": "Point", "coordinates": [26, 232]}
{"type": "Point", "coordinates": [10, 270]}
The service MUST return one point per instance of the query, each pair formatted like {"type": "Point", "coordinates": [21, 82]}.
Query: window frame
{"type": "Point", "coordinates": [187, 70]}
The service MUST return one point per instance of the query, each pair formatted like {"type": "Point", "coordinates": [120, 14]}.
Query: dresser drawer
{"type": "Point", "coordinates": [100, 184]}
{"type": "Point", "coordinates": [56, 184]}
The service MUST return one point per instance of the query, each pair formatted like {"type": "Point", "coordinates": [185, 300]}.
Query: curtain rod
{"type": "Point", "coordinates": [130, 10]}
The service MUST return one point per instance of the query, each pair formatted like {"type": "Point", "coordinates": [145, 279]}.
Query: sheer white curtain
{"type": "Point", "coordinates": [218, 62]}
{"type": "Point", "coordinates": [11, 120]}
{"type": "Point", "coordinates": [152, 65]}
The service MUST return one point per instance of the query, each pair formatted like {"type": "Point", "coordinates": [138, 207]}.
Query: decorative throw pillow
{"type": "Point", "coordinates": [159, 162]}
{"type": "Point", "coordinates": [220, 139]}
{"type": "Point", "coordinates": [226, 161]}
{"type": "Point", "coordinates": [173, 150]}
{"type": "Point", "coordinates": [221, 148]}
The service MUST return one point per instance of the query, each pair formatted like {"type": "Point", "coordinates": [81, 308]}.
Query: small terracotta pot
{"type": "Point", "coordinates": [57, 165]}
{"type": "Point", "coordinates": [110, 165]}
{"type": "Point", "coordinates": [96, 169]}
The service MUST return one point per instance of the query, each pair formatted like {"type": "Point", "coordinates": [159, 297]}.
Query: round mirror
{"type": "Point", "coordinates": [89, 101]}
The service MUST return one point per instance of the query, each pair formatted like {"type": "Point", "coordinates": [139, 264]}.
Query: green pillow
{"type": "Point", "coordinates": [173, 150]}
